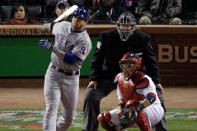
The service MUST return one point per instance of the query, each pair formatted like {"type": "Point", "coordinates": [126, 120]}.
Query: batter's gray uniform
{"type": "Point", "coordinates": [62, 79]}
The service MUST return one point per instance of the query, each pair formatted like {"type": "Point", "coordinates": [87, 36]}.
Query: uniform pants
{"type": "Point", "coordinates": [59, 88]}
{"type": "Point", "coordinates": [91, 108]}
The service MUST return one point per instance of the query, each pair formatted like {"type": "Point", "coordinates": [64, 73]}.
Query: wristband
{"type": "Point", "coordinates": [140, 107]}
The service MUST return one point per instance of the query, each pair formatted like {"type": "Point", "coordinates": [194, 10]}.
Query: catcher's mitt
{"type": "Point", "coordinates": [128, 118]}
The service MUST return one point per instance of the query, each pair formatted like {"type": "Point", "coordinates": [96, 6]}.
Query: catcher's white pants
{"type": "Point", "coordinates": [153, 112]}
{"type": "Point", "coordinates": [59, 87]}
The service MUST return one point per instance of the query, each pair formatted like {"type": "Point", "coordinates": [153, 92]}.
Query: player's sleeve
{"type": "Point", "coordinates": [148, 88]}
{"type": "Point", "coordinates": [51, 26]}
{"type": "Point", "coordinates": [82, 49]}
{"type": "Point", "coordinates": [149, 92]}
{"type": "Point", "coordinates": [54, 28]}
{"type": "Point", "coordinates": [119, 94]}
{"type": "Point", "coordinates": [61, 27]}
{"type": "Point", "coordinates": [70, 58]}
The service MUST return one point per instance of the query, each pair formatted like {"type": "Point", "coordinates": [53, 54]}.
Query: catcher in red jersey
{"type": "Point", "coordinates": [138, 100]}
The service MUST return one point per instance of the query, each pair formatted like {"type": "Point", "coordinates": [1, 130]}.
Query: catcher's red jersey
{"type": "Point", "coordinates": [127, 89]}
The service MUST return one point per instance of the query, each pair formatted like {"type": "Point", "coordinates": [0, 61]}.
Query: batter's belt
{"type": "Point", "coordinates": [70, 73]}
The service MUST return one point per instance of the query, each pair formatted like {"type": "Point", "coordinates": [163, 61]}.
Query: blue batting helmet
{"type": "Point", "coordinates": [82, 13]}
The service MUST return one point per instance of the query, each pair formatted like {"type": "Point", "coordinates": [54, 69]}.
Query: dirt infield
{"type": "Point", "coordinates": [33, 98]}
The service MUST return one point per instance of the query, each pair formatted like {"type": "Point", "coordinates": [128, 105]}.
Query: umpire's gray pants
{"type": "Point", "coordinates": [162, 125]}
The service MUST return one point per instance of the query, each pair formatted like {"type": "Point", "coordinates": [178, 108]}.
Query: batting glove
{"type": "Point", "coordinates": [46, 44]}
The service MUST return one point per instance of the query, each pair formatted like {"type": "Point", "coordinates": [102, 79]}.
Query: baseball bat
{"type": "Point", "coordinates": [66, 13]}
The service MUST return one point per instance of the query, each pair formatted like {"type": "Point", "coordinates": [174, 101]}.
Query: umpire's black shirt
{"type": "Point", "coordinates": [110, 49]}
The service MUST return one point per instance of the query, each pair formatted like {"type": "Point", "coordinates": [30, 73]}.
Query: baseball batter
{"type": "Point", "coordinates": [61, 85]}
{"type": "Point", "coordinates": [138, 100]}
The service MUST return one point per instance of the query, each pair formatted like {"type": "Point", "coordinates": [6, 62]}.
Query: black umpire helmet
{"type": "Point", "coordinates": [127, 19]}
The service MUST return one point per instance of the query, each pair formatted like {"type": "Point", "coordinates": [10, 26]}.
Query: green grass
{"type": "Point", "coordinates": [183, 110]}
{"type": "Point", "coordinates": [17, 122]}
{"type": "Point", "coordinates": [8, 129]}
{"type": "Point", "coordinates": [182, 125]}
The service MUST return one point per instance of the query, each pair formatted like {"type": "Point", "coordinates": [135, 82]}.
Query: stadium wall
{"type": "Point", "coordinates": [174, 46]}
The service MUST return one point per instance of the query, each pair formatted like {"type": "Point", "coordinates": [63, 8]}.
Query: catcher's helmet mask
{"type": "Point", "coordinates": [129, 63]}
{"type": "Point", "coordinates": [126, 25]}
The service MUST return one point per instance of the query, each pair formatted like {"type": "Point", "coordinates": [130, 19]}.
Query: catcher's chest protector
{"type": "Point", "coordinates": [127, 89]}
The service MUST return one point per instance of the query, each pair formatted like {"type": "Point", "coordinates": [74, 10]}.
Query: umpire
{"type": "Point", "coordinates": [111, 47]}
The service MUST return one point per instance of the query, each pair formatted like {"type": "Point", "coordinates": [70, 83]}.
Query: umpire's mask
{"type": "Point", "coordinates": [126, 25]}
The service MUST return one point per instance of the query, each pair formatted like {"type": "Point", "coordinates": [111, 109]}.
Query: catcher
{"type": "Point", "coordinates": [138, 100]}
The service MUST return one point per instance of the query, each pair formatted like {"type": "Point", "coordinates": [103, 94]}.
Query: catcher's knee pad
{"type": "Point", "coordinates": [104, 120]}
{"type": "Point", "coordinates": [142, 121]}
